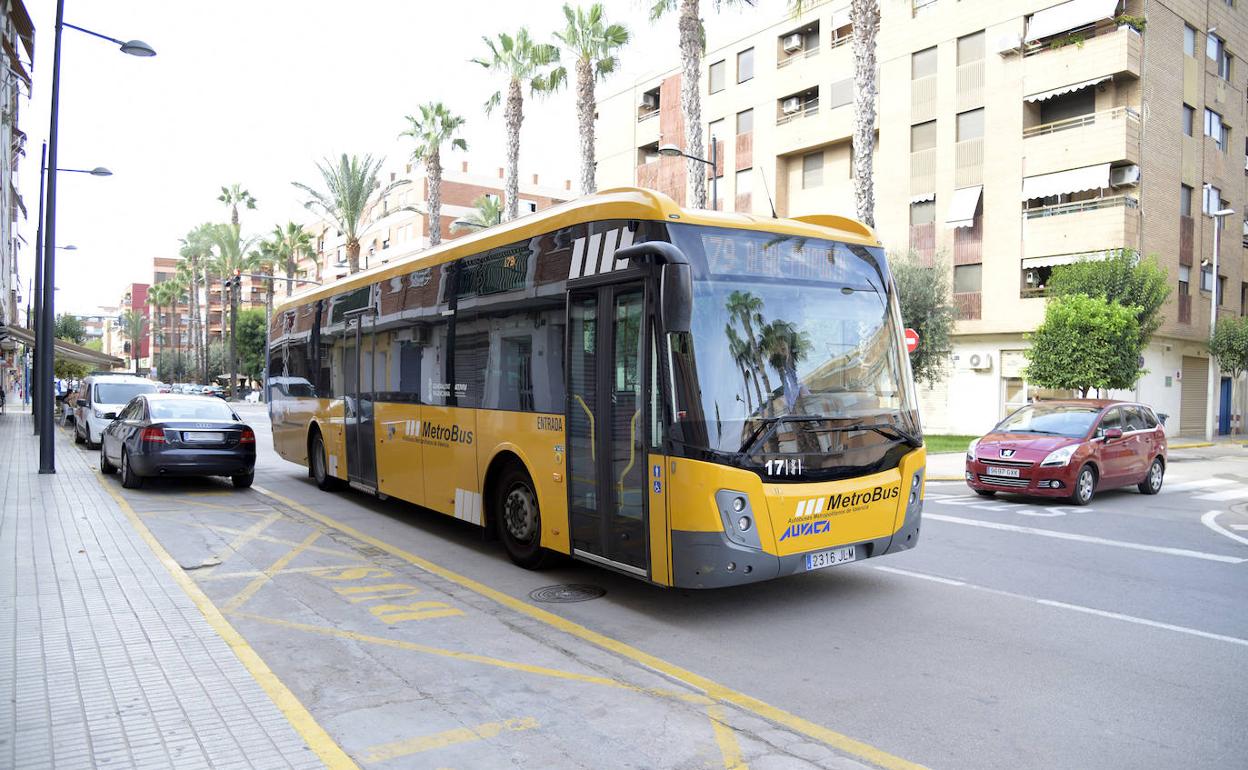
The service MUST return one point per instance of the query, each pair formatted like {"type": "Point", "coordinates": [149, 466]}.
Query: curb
{"type": "Point", "coordinates": [946, 478]}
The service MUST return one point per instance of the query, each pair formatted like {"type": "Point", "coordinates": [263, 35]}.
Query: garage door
{"type": "Point", "coordinates": [1195, 394]}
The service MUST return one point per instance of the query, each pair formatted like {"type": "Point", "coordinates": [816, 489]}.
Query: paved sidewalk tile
{"type": "Point", "coordinates": [104, 660]}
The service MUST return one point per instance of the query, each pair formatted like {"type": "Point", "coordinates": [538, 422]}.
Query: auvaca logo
{"type": "Point", "coordinates": [806, 528]}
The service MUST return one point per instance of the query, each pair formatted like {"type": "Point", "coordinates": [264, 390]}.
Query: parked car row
{"type": "Point", "coordinates": [143, 432]}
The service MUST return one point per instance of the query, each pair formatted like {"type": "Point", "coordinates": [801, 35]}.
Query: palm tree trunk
{"type": "Point", "coordinates": [291, 264]}
{"type": "Point", "coordinates": [690, 30]}
{"type": "Point", "coordinates": [353, 254]}
{"type": "Point", "coordinates": [585, 118]}
{"type": "Point", "coordinates": [513, 116]}
{"type": "Point", "coordinates": [207, 317]}
{"type": "Point", "coordinates": [433, 164]}
{"type": "Point", "coordinates": [866, 17]}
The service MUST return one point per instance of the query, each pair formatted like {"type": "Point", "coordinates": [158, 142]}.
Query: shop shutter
{"type": "Point", "coordinates": [1195, 393]}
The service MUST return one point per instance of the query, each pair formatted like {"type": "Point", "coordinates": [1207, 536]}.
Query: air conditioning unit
{"type": "Point", "coordinates": [792, 43]}
{"type": "Point", "coordinates": [791, 105]}
{"type": "Point", "coordinates": [1124, 175]}
{"type": "Point", "coordinates": [1009, 44]}
{"type": "Point", "coordinates": [979, 361]}
{"type": "Point", "coordinates": [650, 102]}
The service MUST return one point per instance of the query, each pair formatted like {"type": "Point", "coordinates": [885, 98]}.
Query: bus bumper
{"type": "Point", "coordinates": [711, 560]}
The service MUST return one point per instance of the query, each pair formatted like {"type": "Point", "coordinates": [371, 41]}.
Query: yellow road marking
{"type": "Point", "coordinates": [386, 751]}
{"type": "Point", "coordinates": [713, 689]}
{"type": "Point", "coordinates": [250, 589]}
{"type": "Point", "coordinates": [219, 507]}
{"type": "Point", "coordinates": [471, 657]}
{"type": "Point", "coordinates": [726, 738]}
{"type": "Point", "coordinates": [251, 573]}
{"type": "Point", "coordinates": [296, 713]}
{"type": "Point", "coordinates": [248, 534]}
{"type": "Point", "coordinates": [271, 539]}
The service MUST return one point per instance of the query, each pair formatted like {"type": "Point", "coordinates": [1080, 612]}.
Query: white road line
{"type": "Point", "coordinates": [1198, 484]}
{"type": "Point", "coordinates": [1229, 494]}
{"type": "Point", "coordinates": [1089, 539]}
{"type": "Point", "coordinates": [1209, 520]}
{"type": "Point", "coordinates": [1073, 607]}
{"type": "Point", "coordinates": [1239, 527]}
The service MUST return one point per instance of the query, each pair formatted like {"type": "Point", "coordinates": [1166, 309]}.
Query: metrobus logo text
{"type": "Point", "coordinates": [454, 433]}
{"type": "Point", "coordinates": [854, 499]}
{"type": "Point", "coordinates": [807, 528]}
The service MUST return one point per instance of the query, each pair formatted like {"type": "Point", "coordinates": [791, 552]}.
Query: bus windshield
{"type": "Point", "coordinates": [795, 349]}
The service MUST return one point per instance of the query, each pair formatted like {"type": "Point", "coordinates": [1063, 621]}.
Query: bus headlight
{"type": "Point", "coordinates": [744, 523]}
{"type": "Point", "coordinates": [738, 517]}
{"type": "Point", "coordinates": [738, 505]}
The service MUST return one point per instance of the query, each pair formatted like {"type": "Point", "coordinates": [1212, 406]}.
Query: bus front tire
{"type": "Point", "coordinates": [518, 518]}
{"type": "Point", "coordinates": [319, 462]}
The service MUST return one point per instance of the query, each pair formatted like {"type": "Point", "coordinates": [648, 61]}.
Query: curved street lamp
{"type": "Point", "coordinates": [674, 151]}
{"type": "Point", "coordinates": [97, 171]}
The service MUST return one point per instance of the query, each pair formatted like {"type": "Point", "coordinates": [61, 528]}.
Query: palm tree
{"type": "Point", "coordinates": [157, 296]}
{"type": "Point", "coordinates": [196, 252]}
{"type": "Point", "coordinates": [187, 275]}
{"type": "Point", "coordinates": [692, 41]}
{"type": "Point", "coordinates": [133, 327]}
{"type": "Point", "coordinates": [351, 192]}
{"type": "Point", "coordinates": [746, 309]}
{"type": "Point", "coordinates": [487, 211]}
{"type": "Point", "coordinates": [593, 44]}
{"type": "Point", "coordinates": [435, 126]}
{"type": "Point", "coordinates": [232, 256]}
{"type": "Point", "coordinates": [289, 245]}
{"type": "Point", "coordinates": [519, 60]}
{"type": "Point", "coordinates": [232, 197]}
{"type": "Point", "coordinates": [743, 356]}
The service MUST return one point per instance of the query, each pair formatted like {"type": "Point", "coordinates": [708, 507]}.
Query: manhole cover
{"type": "Point", "coordinates": [566, 594]}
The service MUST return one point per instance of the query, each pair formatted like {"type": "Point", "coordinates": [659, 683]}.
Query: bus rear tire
{"type": "Point", "coordinates": [318, 463]}
{"type": "Point", "coordinates": [518, 518]}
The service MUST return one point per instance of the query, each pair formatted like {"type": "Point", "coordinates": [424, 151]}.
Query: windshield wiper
{"type": "Point", "coordinates": [769, 425]}
{"type": "Point", "coordinates": [888, 430]}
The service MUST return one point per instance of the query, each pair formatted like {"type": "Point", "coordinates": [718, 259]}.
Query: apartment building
{"type": "Point", "coordinates": [400, 225]}
{"type": "Point", "coordinates": [117, 339]}
{"type": "Point", "coordinates": [1014, 136]}
{"type": "Point", "coordinates": [18, 34]}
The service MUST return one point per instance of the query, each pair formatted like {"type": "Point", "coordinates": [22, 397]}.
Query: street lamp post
{"type": "Point", "coordinates": [672, 151]}
{"type": "Point", "coordinates": [1212, 401]}
{"type": "Point", "coordinates": [43, 346]}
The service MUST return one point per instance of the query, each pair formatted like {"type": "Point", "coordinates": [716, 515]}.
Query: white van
{"type": "Point", "coordinates": [102, 394]}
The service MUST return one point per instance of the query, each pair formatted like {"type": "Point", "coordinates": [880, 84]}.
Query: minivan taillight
{"type": "Point", "coordinates": [155, 435]}
{"type": "Point", "coordinates": [248, 437]}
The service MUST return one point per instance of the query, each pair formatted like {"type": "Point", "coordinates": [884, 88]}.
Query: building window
{"type": "Point", "coordinates": [923, 136]}
{"type": "Point", "coordinates": [967, 278]}
{"type": "Point", "coordinates": [971, 125]}
{"type": "Point", "coordinates": [1185, 280]}
{"type": "Point", "coordinates": [647, 153]}
{"type": "Point", "coordinates": [1216, 129]}
{"type": "Point", "coordinates": [923, 63]}
{"type": "Point", "coordinates": [1189, 119]}
{"type": "Point", "coordinates": [716, 78]}
{"type": "Point", "coordinates": [743, 181]}
{"type": "Point", "coordinates": [1189, 40]}
{"type": "Point", "coordinates": [971, 48]}
{"type": "Point", "coordinates": [1212, 196]}
{"type": "Point", "coordinates": [745, 121]}
{"type": "Point", "coordinates": [923, 213]}
{"type": "Point", "coordinates": [1215, 48]}
{"type": "Point", "coordinates": [745, 65]}
{"type": "Point", "coordinates": [841, 93]}
{"type": "Point", "coordinates": [715, 130]}
{"type": "Point", "coordinates": [812, 170]}
{"type": "Point", "coordinates": [1185, 200]}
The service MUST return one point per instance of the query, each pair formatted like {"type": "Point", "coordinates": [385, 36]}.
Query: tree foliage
{"type": "Point", "coordinates": [1085, 343]}
{"type": "Point", "coordinates": [1122, 277]}
{"type": "Point", "coordinates": [487, 211]}
{"type": "Point", "coordinates": [1229, 345]}
{"type": "Point", "coordinates": [593, 44]}
{"type": "Point", "coordinates": [351, 190]}
{"type": "Point", "coordinates": [70, 328]}
{"type": "Point", "coordinates": [927, 307]}
{"type": "Point", "coordinates": [251, 342]}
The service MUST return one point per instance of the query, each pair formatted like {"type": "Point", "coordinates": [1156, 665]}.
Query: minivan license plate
{"type": "Point", "coordinates": [1010, 472]}
{"type": "Point", "coordinates": [831, 558]}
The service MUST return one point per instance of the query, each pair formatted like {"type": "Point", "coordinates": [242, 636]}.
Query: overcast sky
{"type": "Point", "coordinates": [255, 92]}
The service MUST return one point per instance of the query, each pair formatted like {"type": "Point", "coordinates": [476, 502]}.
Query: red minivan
{"type": "Point", "coordinates": [1070, 449]}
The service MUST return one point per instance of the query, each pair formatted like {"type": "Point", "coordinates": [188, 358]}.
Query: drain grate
{"type": "Point", "coordinates": [565, 594]}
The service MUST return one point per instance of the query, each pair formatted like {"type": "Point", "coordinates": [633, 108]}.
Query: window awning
{"type": "Point", "coordinates": [1062, 259]}
{"type": "Point", "coordinates": [962, 207]}
{"type": "Point", "coordinates": [1070, 89]}
{"type": "Point", "coordinates": [840, 18]}
{"type": "Point", "coordinates": [924, 198]}
{"type": "Point", "coordinates": [64, 350]}
{"type": "Point", "coordinates": [1068, 16]}
{"type": "Point", "coordinates": [1063, 182]}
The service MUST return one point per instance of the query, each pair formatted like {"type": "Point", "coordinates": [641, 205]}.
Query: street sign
{"type": "Point", "coordinates": [912, 340]}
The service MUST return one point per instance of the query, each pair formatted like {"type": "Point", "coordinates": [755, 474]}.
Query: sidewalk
{"type": "Point", "coordinates": [105, 659]}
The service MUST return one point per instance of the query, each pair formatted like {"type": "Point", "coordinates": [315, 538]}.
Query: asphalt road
{"type": "Point", "coordinates": [1018, 634]}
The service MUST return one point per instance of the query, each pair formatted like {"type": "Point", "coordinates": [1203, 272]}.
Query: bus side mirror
{"type": "Point", "coordinates": [676, 297]}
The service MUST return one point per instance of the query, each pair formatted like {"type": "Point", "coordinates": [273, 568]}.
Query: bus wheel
{"type": "Point", "coordinates": [318, 459]}
{"type": "Point", "coordinates": [519, 520]}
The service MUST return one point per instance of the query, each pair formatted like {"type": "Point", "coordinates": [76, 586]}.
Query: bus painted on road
{"type": "Point", "coordinates": [694, 398]}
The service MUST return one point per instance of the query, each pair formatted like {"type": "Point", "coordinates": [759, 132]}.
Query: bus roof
{"type": "Point", "coordinates": [616, 203]}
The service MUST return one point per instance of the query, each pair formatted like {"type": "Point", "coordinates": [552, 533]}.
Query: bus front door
{"type": "Point", "coordinates": [605, 426]}
{"type": "Point", "coordinates": [361, 441]}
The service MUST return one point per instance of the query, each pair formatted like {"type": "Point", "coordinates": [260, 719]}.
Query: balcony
{"type": "Point", "coordinates": [968, 305]}
{"type": "Point", "coordinates": [923, 171]}
{"type": "Point", "coordinates": [796, 57]}
{"type": "Point", "coordinates": [923, 243]}
{"type": "Point", "coordinates": [806, 110]}
{"type": "Point", "coordinates": [1083, 226]}
{"type": "Point", "coordinates": [968, 243]}
{"type": "Point", "coordinates": [1113, 51]}
{"type": "Point", "coordinates": [1099, 137]}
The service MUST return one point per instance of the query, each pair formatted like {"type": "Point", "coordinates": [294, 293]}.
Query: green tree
{"type": "Point", "coordinates": [1121, 277]}
{"type": "Point", "coordinates": [1085, 343]}
{"type": "Point", "coordinates": [435, 127]}
{"type": "Point", "coordinates": [251, 341]}
{"type": "Point", "coordinates": [232, 254]}
{"type": "Point", "coordinates": [747, 310]}
{"type": "Point", "coordinates": [1229, 345]}
{"type": "Point", "coordinates": [487, 211]}
{"type": "Point", "coordinates": [351, 191]}
{"type": "Point", "coordinates": [134, 328]}
{"type": "Point", "coordinates": [519, 60]}
{"type": "Point", "coordinates": [927, 307]}
{"type": "Point", "coordinates": [197, 255]}
{"type": "Point", "coordinates": [233, 197]}
{"type": "Point", "coordinates": [593, 44]}
{"type": "Point", "coordinates": [70, 328]}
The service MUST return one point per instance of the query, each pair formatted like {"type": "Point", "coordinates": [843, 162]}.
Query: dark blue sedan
{"type": "Point", "coordinates": [169, 434]}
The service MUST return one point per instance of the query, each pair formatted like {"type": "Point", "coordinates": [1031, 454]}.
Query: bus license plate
{"type": "Point", "coordinates": [1008, 472]}
{"type": "Point", "coordinates": [831, 558]}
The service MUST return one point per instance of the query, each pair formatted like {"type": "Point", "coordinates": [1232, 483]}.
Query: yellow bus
{"type": "Point", "coordinates": [694, 398]}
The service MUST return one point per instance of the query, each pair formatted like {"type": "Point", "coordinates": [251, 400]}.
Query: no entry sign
{"type": "Point", "coordinates": [912, 340]}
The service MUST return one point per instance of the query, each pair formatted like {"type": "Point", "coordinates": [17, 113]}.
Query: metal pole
{"type": "Point", "coordinates": [47, 447]}
{"type": "Point", "coordinates": [714, 177]}
{"type": "Point", "coordinates": [268, 354]}
{"type": "Point", "coordinates": [38, 319]}
{"type": "Point", "coordinates": [1213, 322]}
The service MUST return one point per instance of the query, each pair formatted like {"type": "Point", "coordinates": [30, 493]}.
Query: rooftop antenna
{"type": "Point", "coordinates": [767, 190]}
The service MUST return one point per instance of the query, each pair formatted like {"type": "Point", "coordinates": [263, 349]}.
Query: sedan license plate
{"type": "Point", "coordinates": [203, 437]}
{"type": "Point", "coordinates": [822, 559]}
{"type": "Point", "coordinates": [1008, 472]}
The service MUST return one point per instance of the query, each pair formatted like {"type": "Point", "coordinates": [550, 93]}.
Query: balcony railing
{"type": "Point", "coordinates": [1118, 113]}
{"type": "Point", "coordinates": [1077, 207]}
{"type": "Point", "coordinates": [969, 305]}
{"type": "Point", "coordinates": [968, 243]}
{"type": "Point", "coordinates": [1185, 308]}
{"type": "Point", "coordinates": [923, 243]}
{"type": "Point", "coordinates": [1187, 234]}
{"type": "Point", "coordinates": [809, 108]}
{"type": "Point", "coordinates": [647, 115]}
{"type": "Point", "coordinates": [803, 54]}
{"type": "Point", "coordinates": [1075, 37]}
{"type": "Point", "coordinates": [840, 41]}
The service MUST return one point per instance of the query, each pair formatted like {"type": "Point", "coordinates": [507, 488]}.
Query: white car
{"type": "Point", "coordinates": [101, 395]}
